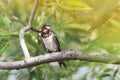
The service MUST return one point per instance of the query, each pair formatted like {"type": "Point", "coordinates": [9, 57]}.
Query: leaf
{"type": "Point", "coordinates": [115, 23]}
{"type": "Point", "coordinates": [6, 20]}
{"type": "Point", "coordinates": [104, 75]}
{"type": "Point", "coordinates": [3, 48]}
{"type": "Point", "coordinates": [77, 26]}
{"type": "Point", "coordinates": [1, 4]}
{"type": "Point", "coordinates": [115, 73]}
{"type": "Point", "coordinates": [68, 5]}
{"type": "Point", "coordinates": [104, 13]}
{"type": "Point", "coordinates": [75, 3]}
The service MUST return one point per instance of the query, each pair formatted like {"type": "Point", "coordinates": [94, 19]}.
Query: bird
{"type": "Point", "coordinates": [50, 42]}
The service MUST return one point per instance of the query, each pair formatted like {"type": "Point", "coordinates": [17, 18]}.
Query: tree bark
{"type": "Point", "coordinates": [64, 55]}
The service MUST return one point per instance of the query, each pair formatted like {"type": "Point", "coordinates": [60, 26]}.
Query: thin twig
{"type": "Point", "coordinates": [42, 17]}
{"type": "Point", "coordinates": [9, 14]}
{"type": "Point", "coordinates": [36, 30]}
{"type": "Point", "coordinates": [33, 12]}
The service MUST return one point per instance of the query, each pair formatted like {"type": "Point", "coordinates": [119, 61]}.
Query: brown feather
{"type": "Point", "coordinates": [61, 63]}
{"type": "Point", "coordinates": [40, 41]}
{"type": "Point", "coordinates": [57, 42]}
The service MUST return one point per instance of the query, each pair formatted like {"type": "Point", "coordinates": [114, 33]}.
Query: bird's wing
{"type": "Point", "coordinates": [57, 42]}
{"type": "Point", "coordinates": [40, 41]}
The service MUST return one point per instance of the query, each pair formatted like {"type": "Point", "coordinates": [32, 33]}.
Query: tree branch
{"type": "Point", "coordinates": [26, 28]}
{"type": "Point", "coordinates": [41, 18]}
{"type": "Point", "coordinates": [36, 30]}
{"type": "Point", "coordinates": [64, 55]}
{"type": "Point", "coordinates": [33, 12]}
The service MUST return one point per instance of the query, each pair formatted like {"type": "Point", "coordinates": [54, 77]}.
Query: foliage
{"type": "Point", "coordinates": [88, 25]}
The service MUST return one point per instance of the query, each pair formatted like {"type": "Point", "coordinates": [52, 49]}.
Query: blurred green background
{"type": "Point", "coordinates": [87, 25]}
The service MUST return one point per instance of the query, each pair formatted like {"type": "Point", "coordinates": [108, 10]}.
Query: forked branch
{"type": "Point", "coordinates": [26, 28]}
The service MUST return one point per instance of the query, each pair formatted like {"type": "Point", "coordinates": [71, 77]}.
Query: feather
{"type": "Point", "coordinates": [57, 42]}
{"type": "Point", "coordinates": [61, 63]}
{"type": "Point", "coordinates": [40, 41]}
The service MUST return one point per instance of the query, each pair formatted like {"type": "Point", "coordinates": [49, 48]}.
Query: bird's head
{"type": "Point", "coordinates": [46, 29]}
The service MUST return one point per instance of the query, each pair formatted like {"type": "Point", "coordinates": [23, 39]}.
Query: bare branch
{"type": "Point", "coordinates": [42, 17]}
{"type": "Point", "coordinates": [36, 30]}
{"type": "Point", "coordinates": [64, 55]}
{"type": "Point", "coordinates": [33, 12]}
{"type": "Point", "coordinates": [26, 28]}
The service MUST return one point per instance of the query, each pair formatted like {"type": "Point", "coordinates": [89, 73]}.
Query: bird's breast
{"type": "Point", "coordinates": [50, 43]}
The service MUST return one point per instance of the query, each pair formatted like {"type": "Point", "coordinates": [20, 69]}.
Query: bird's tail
{"type": "Point", "coordinates": [61, 63]}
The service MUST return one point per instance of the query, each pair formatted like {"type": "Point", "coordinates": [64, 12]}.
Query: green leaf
{"type": "Point", "coordinates": [115, 73]}
{"type": "Point", "coordinates": [6, 20]}
{"type": "Point", "coordinates": [76, 5]}
{"type": "Point", "coordinates": [1, 4]}
{"type": "Point", "coordinates": [3, 48]}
